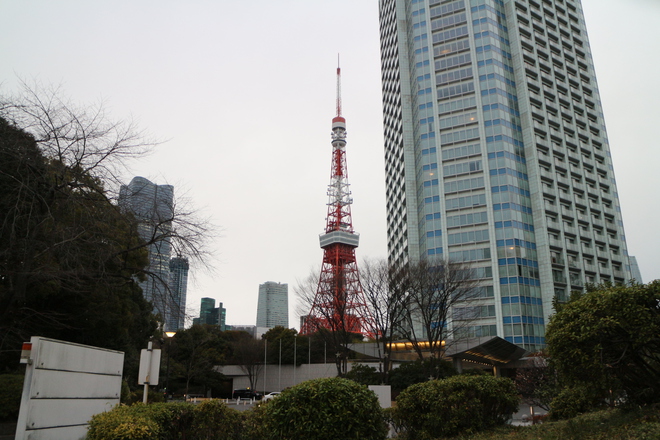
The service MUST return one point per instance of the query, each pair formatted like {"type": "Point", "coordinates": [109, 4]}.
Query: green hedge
{"type": "Point", "coordinates": [324, 409]}
{"type": "Point", "coordinates": [459, 404]}
{"type": "Point", "coordinates": [167, 421]}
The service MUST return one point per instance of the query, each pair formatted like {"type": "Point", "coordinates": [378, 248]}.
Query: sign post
{"type": "Point", "coordinates": [149, 369]}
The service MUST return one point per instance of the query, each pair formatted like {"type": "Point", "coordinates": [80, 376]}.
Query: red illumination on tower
{"type": "Point", "coordinates": [339, 303]}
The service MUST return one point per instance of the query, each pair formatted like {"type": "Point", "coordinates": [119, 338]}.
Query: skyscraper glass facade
{"type": "Point", "coordinates": [496, 153]}
{"type": "Point", "coordinates": [175, 318]}
{"type": "Point", "coordinates": [273, 305]}
{"type": "Point", "coordinates": [152, 205]}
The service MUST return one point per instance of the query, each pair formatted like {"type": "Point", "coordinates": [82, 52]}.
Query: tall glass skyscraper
{"type": "Point", "coordinates": [175, 318]}
{"type": "Point", "coordinates": [496, 153]}
{"type": "Point", "coordinates": [152, 205]}
{"type": "Point", "coordinates": [273, 305]}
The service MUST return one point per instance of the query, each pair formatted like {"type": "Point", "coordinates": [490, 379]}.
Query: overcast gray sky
{"type": "Point", "coordinates": [244, 93]}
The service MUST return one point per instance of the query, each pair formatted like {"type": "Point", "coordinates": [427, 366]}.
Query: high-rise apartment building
{"type": "Point", "coordinates": [273, 305]}
{"type": "Point", "coordinates": [152, 205]}
{"type": "Point", "coordinates": [175, 315]}
{"type": "Point", "coordinates": [496, 153]}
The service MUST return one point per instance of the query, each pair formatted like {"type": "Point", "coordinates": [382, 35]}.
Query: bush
{"type": "Point", "coordinates": [167, 421]}
{"type": "Point", "coordinates": [216, 421]}
{"type": "Point", "coordinates": [364, 374]}
{"type": "Point", "coordinates": [324, 409]}
{"type": "Point", "coordinates": [410, 373]}
{"type": "Point", "coordinates": [122, 423]}
{"type": "Point", "coordinates": [573, 401]}
{"type": "Point", "coordinates": [11, 389]}
{"type": "Point", "coordinates": [459, 404]}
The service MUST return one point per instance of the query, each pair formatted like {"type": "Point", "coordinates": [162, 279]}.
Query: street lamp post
{"type": "Point", "coordinates": [295, 363]}
{"type": "Point", "coordinates": [169, 336]}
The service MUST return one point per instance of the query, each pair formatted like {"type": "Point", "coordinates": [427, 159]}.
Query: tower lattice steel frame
{"type": "Point", "coordinates": [339, 303]}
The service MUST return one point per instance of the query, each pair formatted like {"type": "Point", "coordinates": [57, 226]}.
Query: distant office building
{"type": "Point", "coordinates": [209, 314]}
{"type": "Point", "coordinates": [175, 316]}
{"type": "Point", "coordinates": [152, 205]}
{"type": "Point", "coordinates": [273, 305]}
{"type": "Point", "coordinates": [634, 268]}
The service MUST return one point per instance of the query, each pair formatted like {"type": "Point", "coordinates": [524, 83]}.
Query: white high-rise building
{"type": "Point", "coordinates": [496, 153]}
{"type": "Point", "coordinates": [273, 305]}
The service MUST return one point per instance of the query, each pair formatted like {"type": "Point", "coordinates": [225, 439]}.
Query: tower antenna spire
{"type": "Point", "coordinates": [338, 87]}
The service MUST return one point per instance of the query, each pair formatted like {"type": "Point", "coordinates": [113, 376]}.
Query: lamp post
{"type": "Point", "coordinates": [295, 363]}
{"type": "Point", "coordinates": [169, 336]}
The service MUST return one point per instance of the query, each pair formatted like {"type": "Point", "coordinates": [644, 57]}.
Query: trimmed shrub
{"type": "Point", "coordinates": [216, 421]}
{"type": "Point", "coordinates": [253, 422]}
{"type": "Point", "coordinates": [123, 423]}
{"type": "Point", "coordinates": [167, 421]}
{"type": "Point", "coordinates": [456, 405]}
{"type": "Point", "coordinates": [573, 401]}
{"type": "Point", "coordinates": [324, 409]}
{"type": "Point", "coordinates": [11, 389]}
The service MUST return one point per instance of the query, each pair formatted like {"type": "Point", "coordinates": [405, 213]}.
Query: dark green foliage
{"type": "Point", "coordinates": [68, 256]}
{"type": "Point", "coordinates": [419, 371]}
{"type": "Point", "coordinates": [364, 374]}
{"type": "Point", "coordinates": [612, 424]}
{"type": "Point", "coordinates": [11, 388]}
{"type": "Point", "coordinates": [211, 420]}
{"type": "Point", "coordinates": [609, 340]}
{"type": "Point", "coordinates": [192, 355]}
{"type": "Point", "coordinates": [324, 409]}
{"type": "Point", "coordinates": [459, 404]}
{"type": "Point", "coordinates": [123, 423]}
{"type": "Point", "coordinates": [216, 421]}
{"type": "Point", "coordinates": [573, 401]}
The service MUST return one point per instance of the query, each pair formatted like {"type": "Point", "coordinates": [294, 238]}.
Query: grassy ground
{"type": "Point", "coordinates": [601, 425]}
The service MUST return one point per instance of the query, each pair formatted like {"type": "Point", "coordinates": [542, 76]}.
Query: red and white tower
{"type": "Point", "coordinates": [339, 304]}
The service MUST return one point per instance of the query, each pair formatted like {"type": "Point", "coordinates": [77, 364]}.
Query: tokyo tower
{"type": "Point", "coordinates": [339, 304]}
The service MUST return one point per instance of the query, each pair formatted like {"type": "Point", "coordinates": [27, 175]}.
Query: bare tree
{"type": "Point", "coordinates": [249, 356]}
{"type": "Point", "coordinates": [62, 232]}
{"type": "Point", "coordinates": [388, 304]}
{"type": "Point", "coordinates": [335, 325]}
{"type": "Point", "coordinates": [433, 289]}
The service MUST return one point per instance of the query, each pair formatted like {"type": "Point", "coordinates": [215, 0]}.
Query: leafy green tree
{"type": "Point", "coordinates": [193, 354]}
{"type": "Point", "coordinates": [609, 339]}
{"type": "Point", "coordinates": [68, 256]}
{"type": "Point", "coordinates": [364, 374]}
{"type": "Point", "coordinates": [410, 373]}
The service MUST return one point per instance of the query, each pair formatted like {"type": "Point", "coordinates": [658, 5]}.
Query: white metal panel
{"type": "Point", "coordinates": [46, 413]}
{"type": "Point", "coordinates": [60, 355]}
{"type": "Point", "coordinates": [68, 433]}
{"type": "Point", "coordinates": [64, 385]}
{"type": "Point", "coordinates": [64, 373]}
{"type": "Point", "coordinates": [149, 367]}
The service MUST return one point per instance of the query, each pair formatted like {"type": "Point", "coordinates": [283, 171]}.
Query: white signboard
{"type": "Point", "coordinates": [149, 367]}
{"type": "Point", "coordinates": [65, 385]}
